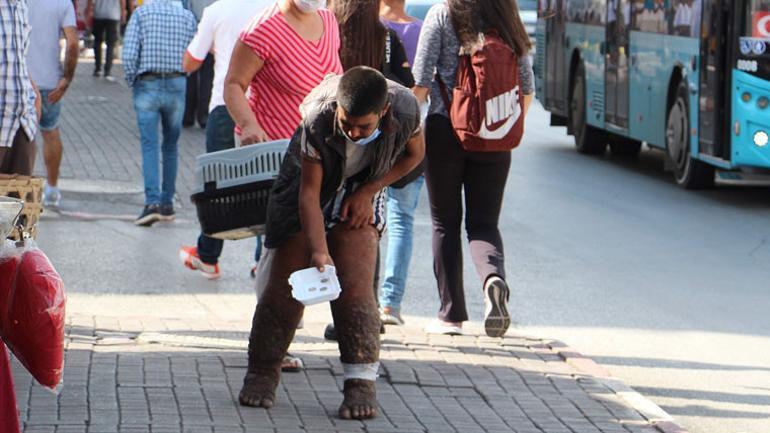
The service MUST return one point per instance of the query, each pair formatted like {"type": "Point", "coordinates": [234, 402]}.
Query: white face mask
{"type": "Point", "coordinates": [309, 6]}
{"type": "Point", "coordinates": [363, 141]}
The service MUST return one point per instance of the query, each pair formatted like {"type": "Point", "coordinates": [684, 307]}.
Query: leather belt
{"type": "Point", "coordinates": [151, 76]}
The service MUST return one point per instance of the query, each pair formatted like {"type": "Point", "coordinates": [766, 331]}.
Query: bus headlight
{"type": "Point", "coordinates": [763, 102]}
{"type": "Point", "coordinates": [746, 97]}
{"type": "Point", "coordinates": [761, 138]}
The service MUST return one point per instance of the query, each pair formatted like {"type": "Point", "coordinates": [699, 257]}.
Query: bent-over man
{"type": "Point", "coordinates": [359, 133]}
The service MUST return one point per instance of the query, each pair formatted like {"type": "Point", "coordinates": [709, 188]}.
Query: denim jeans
{"type": "Point", "coordinates": [159, 102]}
{"type": "Point", "coordinates": [401, 206]}
{"type": "Point", "coordinates": [219, 136]}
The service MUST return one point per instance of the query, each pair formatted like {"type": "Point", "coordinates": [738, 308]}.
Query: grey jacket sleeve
{"type": "Point", "coordinates": [526, 75]}
{"type": "Point", "coordinates": [428, 48]}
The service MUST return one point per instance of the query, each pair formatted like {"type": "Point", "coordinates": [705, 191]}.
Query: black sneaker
{"type": "Point", "coordinates": [496, 318]}
{"type": "Point", "coordinates": [149, 216]}
{"type": "Point", "coordinates": [330, 333]}
{"type": "Point", "coordinates": [97, 73]}
{"type": "Point", "coordinates": [167, 212]}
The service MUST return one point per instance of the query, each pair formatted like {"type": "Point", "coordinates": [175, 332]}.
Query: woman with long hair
{"type": "Point", "coordinates": [365, 41]}
{"type": "Point", "coordinates": [450, 28]}
{"type": "Point", "coordinates": [404, 196]}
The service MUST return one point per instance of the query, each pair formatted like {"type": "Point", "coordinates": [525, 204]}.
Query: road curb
{"type": "Point", "coordinates": [647, 408]}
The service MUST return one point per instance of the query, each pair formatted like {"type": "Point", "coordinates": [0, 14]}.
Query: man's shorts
{"type": "Point", "coordinates": [49, 121]}
{"type": "Point", "coordinates": [332, 210]}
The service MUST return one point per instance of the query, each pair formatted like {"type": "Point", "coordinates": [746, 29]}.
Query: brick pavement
{"type": "Point", "coordinates": [129, 373]}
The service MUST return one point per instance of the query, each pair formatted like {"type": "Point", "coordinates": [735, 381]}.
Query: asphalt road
{"type": "Point", "coordinates": [666, 288]}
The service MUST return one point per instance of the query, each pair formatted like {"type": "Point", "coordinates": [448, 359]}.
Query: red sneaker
{"type": "Point", "coordinates": [190, 258]}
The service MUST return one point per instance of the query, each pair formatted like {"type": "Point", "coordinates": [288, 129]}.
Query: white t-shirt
{"type": "Point", "coordinates": [219, 29]}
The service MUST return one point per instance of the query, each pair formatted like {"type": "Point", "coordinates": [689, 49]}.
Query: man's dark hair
{"type": "Point", "coordinates": [362, 91]}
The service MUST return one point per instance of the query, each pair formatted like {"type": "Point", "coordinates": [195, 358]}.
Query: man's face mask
{"type": "Point", "coordinates": [361, 130]}
{"type": "Point", "coordinates": [363, 141]}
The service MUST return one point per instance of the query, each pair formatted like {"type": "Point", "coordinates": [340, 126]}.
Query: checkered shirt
{"type": "Point", "coordinates": [17, 97]}
{"type": "Point", "coordinates": [156, 38]}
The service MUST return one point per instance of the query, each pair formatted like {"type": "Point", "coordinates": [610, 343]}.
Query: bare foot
{"type": "Point", "coordinates": [360, 400]}
{"type": "Point", "coordinates": [259, 389]}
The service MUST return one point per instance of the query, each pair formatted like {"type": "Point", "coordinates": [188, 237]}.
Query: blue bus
{"type": "Point", "coordinates": [689, 77]}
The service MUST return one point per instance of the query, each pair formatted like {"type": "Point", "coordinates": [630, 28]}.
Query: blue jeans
{"type": "Point", "coordinates": [401, 206]}
{"type": "Point", "coordinates": [219, 136]}
{"type": "Point", "coordinates": [159, 102]}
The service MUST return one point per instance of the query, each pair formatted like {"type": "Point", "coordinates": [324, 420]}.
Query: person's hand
{"type": "Point", "coordinates": [320, 260]}
{"type": "Point", "coordinates": [38, 104]}
{"type": "Point", "coordinates": [357, 210]}
{"type": "Point", "coordinates": [57, 93]}
{"type": "Point", "coordinates": [253, 133]}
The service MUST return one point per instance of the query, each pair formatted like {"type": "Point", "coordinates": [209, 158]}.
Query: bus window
{"type": "Point", "coordinates": [686, 17]}
{"type": "Point", "coordinates": [650, 16]}
{"type": "Point", "coordinates": [586, 11]}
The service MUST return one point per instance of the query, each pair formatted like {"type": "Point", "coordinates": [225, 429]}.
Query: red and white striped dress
{"type": "Point", "coordinates": [293, 67]}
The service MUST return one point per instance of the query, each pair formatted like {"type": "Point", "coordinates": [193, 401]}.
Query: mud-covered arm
{"type": "Point", "coordinates": [310, 213]}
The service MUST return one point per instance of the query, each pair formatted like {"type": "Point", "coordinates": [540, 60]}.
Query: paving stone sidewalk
{"type": "Point", "coordinates": [141, 374]}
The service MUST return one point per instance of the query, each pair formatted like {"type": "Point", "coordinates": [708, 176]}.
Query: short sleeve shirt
{"type": "Point", "coordinates": [47, 18]}
{"type": "Point", "coordinates": [292, 67]}
{"type": "Point", "coordinates": [218, 31]}
{"type": "Point", "coordinates": [107, 9]}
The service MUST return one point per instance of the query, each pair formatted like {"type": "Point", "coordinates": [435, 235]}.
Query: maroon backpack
{"type": "Point", "coordinates": [487, 109]}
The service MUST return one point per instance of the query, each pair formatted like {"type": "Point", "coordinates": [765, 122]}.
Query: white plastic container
{"type": "Point", "coordinates": [310, 286]}
{"type": "Point", "coordinates": [9, 212]}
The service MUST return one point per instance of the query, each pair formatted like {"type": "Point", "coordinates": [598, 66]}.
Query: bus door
{"type": "Point", "coordinates": [715, 77]}
{"type": "Point", "coordinates": [556, 70]}
{"type": "Point", "coordinates": [616, 61]}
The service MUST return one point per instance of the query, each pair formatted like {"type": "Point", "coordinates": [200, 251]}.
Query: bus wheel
{"type": "Point", "coordinates": [588, 140]}
{"type": "Point", "coordinates": [689, 173]}
{"type": "Point", "coordinates": [624, 146]}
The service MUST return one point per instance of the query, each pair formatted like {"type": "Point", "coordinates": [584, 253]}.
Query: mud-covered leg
{"type": "Point", "coordinates": [355, 317]}
{"type": "Point", "coordinates": [275, 321]}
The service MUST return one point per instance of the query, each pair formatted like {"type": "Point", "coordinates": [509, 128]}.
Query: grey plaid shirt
{"type": "Point", "coordinates": [17, 97]}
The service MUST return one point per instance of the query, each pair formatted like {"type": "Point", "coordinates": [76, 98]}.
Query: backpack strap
{"type": "Point", "coordinates": [386, 68]}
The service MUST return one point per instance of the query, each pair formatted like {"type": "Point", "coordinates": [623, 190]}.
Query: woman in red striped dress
{"type": "Point", "coordinates": [281, 56]}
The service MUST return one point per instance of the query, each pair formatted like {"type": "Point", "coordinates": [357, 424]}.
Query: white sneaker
{"type": "Point", "coordinates": [392, 317]}
{"type": "Point", "coordinates": [443, 328]}
{"type": "Point", "coordinates": [51, 196]}
{"type": "Point", "coordinates": [496, 317]}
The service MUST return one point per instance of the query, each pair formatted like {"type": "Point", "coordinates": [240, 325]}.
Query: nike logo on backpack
{"type": "Point", "coordinates": [501, 107]}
